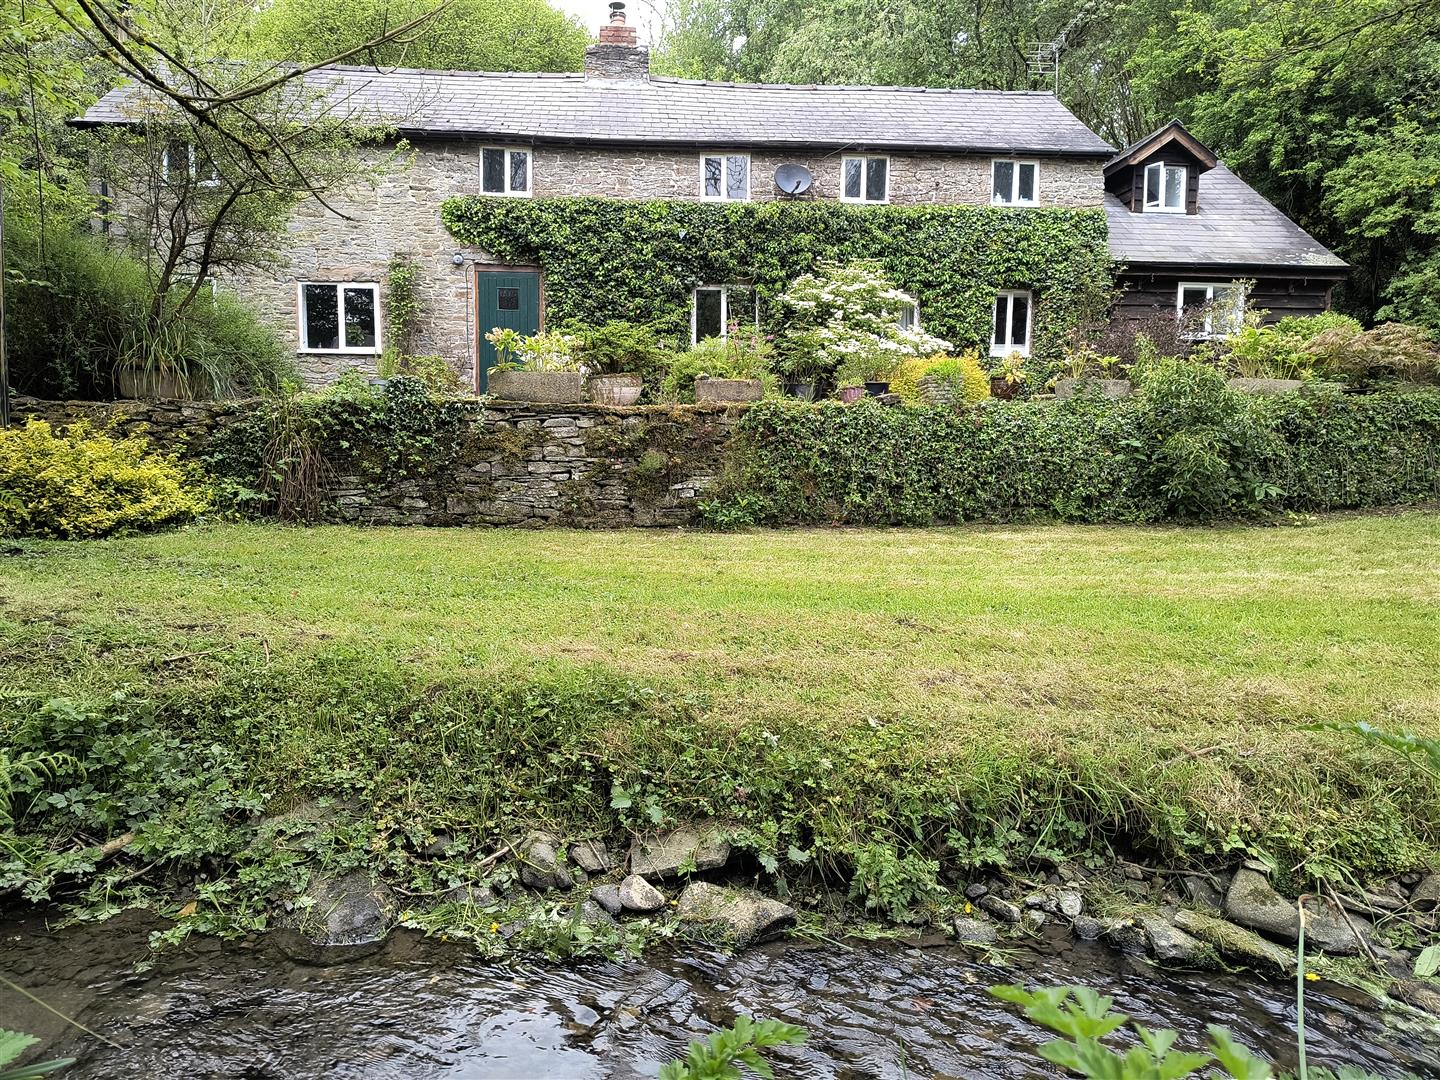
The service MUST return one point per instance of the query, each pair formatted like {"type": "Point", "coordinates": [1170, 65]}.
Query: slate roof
{"type": "Point", "coordinates": [569, 108]}
{"type": "Point", "coordinates": [1236, 226]}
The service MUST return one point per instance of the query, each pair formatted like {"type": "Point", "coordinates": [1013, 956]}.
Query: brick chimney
{"type": "Point", "coordinates": [618, 54]}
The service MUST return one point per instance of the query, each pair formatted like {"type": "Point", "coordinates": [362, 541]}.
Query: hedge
{"type": "Point", "coordinates": [1083, 460]}
{"type": "Point", "coordinates": [624, 259]}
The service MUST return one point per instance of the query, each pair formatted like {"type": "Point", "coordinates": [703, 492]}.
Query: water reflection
{"type": "Point", "coordinates": [421, 1008]}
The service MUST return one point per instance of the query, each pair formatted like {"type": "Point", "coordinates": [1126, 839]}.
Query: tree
{"type": "Point", "coordinates": [977, 44]}
{"type": "Point", "coordinates": [470, 35]}
{"type": "Point", "coordinates": [1332, 112]}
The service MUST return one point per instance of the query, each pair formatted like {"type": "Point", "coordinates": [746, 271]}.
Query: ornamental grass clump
{"type": "Point", "coordinates": [76, 484]}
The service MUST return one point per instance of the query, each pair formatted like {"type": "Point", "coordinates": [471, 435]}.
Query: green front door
{"type": "Point", "coordinates": [508, 298]}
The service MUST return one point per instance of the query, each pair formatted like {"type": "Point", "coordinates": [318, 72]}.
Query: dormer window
{"type": "Point", "coordinates": [1165, 188]}
{"type": "Point", "coordinates": [1014, 183]}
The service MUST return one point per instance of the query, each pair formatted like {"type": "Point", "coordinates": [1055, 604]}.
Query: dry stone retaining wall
{"type": "Point", "coordinates": [512, 464]}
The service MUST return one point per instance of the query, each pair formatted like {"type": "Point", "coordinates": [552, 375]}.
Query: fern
{"type": "Point", "coordinates": [28, 768]}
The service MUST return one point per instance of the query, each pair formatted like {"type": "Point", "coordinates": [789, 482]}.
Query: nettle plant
{"type": "Point", "coordinates": [851, 318]}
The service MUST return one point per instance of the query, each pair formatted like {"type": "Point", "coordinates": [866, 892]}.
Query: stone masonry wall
{"type": "Point", "coordinates": [400, 215]}
{"type": "Point", "coordinates": [590, 466]}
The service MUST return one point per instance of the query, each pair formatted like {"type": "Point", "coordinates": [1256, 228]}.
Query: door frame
{"type": "Point", "coordinates": [479, 336]}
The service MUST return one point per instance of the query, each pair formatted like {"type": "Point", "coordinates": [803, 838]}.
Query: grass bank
{"type": "Point", "coordinates": [876, 708]}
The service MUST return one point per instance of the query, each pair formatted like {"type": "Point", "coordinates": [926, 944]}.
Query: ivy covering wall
{"type": "Point", "coordinates": [640, 260]}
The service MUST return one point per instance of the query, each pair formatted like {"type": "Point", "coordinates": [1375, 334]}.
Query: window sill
{"type": "Point", "coordinates": [998, 352]}
{"type": "Point", "coordinates": [507, 194]}
{"type": "Point", "coordinates": [1015, 205]}
{"type": "Point", "coordinates": [865, 202]}
{"type": "Point", "coordinates": [338, 352]}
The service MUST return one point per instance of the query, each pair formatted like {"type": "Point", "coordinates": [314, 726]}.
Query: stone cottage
{"type": "Point", "coordinates": [1184, 230]}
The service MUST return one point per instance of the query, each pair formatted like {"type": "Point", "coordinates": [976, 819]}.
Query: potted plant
{"type": "Point", "coordinates": [539, 368]}
{"type": "Point", "coordinates": [800, 364]}
{"type": "Point", "coordinates": [872, 368]}
{"type": "Point", "coordinates": [1007, 377]}
{"type": "Point", "coordinates": [729, 369]}
{"type": "Point", "coordinates": [1089, 370]}
{"type": "Point", "coordinates": [614, 354]}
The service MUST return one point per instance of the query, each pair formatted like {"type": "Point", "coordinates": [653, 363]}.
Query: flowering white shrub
{"type": "Point", "coordinates": [849, 315]}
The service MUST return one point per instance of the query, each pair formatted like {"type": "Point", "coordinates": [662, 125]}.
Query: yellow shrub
{"type": "Point", "coordinates": [963, 375]}
{"type": "Point", "coordinates": [78, 483]}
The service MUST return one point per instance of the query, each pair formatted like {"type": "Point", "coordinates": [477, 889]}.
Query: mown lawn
{"type": "Point", "coordinates": [1179, 663]}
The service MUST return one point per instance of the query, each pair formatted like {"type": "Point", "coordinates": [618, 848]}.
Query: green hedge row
{"type": "Point", "coordinates": [1161, 455]}
{"type": "Point", "coordinates": [624, 259]}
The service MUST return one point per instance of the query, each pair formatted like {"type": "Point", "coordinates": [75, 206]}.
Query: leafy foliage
{"type": "Point", "coordinates": [1085, 1019]}
{"type": "Point", "coordinates": [719, 1056]}
{"type": "Point", "coordinates": [470, 35]}
{"type": "Point", "coordinates": [1317, 105]}
{"type": "Point", "coordinates": [15, 1043]}
{"type": "Point", "coordinates": [76, 484]}
{"type": "Point", "coordinates": [744, 354]}
{"type": "Point", "coordinates": [1185, 446]}
{"type": "Point", "coordinates": [611, 259]}
{"type": "Point", "coordinates": [75, 309]}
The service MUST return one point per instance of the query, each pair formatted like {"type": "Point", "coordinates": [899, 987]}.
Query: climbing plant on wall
{"type": "Point", "coordinates": [610, 258]}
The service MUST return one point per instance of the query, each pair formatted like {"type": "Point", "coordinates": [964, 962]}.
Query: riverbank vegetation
{"type": "Point", "coordinates": [875, 711]}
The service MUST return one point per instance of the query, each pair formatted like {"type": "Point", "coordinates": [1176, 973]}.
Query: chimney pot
{"type": "Point", "coordinates": [618, 54]}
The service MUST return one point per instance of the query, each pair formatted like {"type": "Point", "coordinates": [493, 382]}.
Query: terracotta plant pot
{"type": "Point", "coordinates": [616, 389]}
{"type": "Point", "coordinates": [728, 389]}
{"type": "Point", "coordinates": [554, 387]}
{"type": "Point", "coordinates": [851, 393]}
{"type": "Point", "coordinates": [1110, 388]}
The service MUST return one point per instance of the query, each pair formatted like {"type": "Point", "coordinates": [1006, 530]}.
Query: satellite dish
{"type": "Point", "coordinates": [793, 179]}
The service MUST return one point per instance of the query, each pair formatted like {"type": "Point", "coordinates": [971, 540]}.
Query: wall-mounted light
{"type": "Point", "coordinates": [457, 259]}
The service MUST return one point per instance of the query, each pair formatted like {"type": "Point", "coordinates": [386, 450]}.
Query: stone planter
{"type": "Point", "coordinates": [934, 391]}
{"type": "Point", "coordinates": [850, 393]}
{"type": "Point", "coordinates": [555, 387]}
{"type": "Point", "coordinates": [1265, 386]}
{"type": "Point", "coordinates": [728, 389]}
{"type": "Point", "coordinates": [1110, 388]}
{"type": "Point", "coordinates": [146, 385]}
{"type": "Point", "coordinates": [615, 389]}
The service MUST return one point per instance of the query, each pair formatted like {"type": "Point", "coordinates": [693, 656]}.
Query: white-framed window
{"type": "Point", "coordinates": [865, 179]}
{"type": "Point", "coordinates": [725, 177]}
{"type": "Point", "coordinates": [1165, 188]}
{"type": "Point", "coordinates": [339, 316]}
{"type": "Point", "coordinates": [1210, 309]}
{"type": "Point", "coordinates": [715, 308]}
{"type": "Point", "coordinates": [710, 313]}
{"type": "Point", "coordinates": [1014, 183]}
{"type": "Point", "coordinates": [504, 172]}
{"type": "Point", "coordinates": [1010, 330]}
{"type": "Point", "coordinates": [186, 159]}
{"type": "Point", "coordinates": [909, 317]}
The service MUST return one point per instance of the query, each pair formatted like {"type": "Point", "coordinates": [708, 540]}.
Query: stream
{"type": "Point", "coordinates": [420, 1008]}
